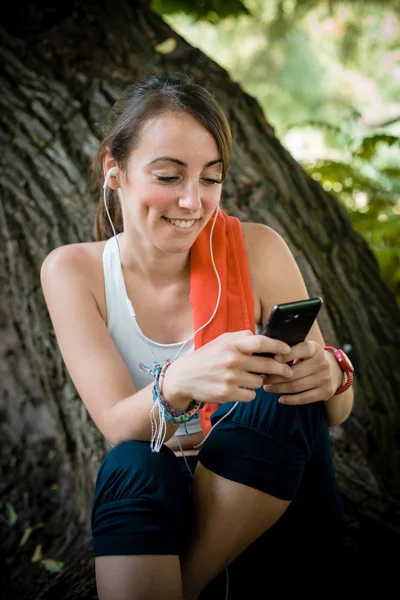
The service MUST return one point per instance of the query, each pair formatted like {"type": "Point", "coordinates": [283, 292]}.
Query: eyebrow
{"type": "Point", "coordinates": [183, 164]}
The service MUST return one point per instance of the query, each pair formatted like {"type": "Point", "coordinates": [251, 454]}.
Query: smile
{"type": "Point", "coordinates": [180, 223]}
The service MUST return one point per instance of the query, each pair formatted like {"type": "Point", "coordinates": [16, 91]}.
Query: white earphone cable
{"type": "Point", "coordinates": [110, 173]}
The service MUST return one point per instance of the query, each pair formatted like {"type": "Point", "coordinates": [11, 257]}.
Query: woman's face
{"type": "Point", "coordinates": [172, 183]}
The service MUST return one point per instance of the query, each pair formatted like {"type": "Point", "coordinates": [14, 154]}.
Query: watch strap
{"type": "Point", "coordinates": [347, 370]}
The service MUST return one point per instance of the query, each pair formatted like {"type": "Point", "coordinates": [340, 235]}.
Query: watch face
{"type": "Point", "coordinates": [346, 359]}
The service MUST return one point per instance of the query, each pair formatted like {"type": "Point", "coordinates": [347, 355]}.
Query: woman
{"type": "Point", "coordinates": [264, 476]}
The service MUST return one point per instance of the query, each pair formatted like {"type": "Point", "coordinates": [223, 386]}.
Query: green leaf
{"type": "Point", "coordinates": [368, 146]}
{"type": "Point", "coordinates": [37, 555]}
{"type": "Point", "coordinates": [11, 514]}
{"type": "Point", "coordinates": [25, 536]}
{"type": "Point", "coordinates": [167, 46]}
{"type": "Point", "coordinates": [28, 531]}
{"type": "Point", "coordinates": [391, 172]}
{"type": "Point", "coordinates": [52, 565]}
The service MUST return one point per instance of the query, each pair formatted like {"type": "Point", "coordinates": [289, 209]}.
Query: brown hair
{"type": "Point", "coordinates": [139, 103]}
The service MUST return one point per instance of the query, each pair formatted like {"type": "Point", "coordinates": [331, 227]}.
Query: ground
{"type": "Point", "coordinates": [30, 495]}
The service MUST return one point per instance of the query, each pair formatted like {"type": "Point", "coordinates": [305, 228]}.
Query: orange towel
{"type": "Point", "coordinates": [236, 308]}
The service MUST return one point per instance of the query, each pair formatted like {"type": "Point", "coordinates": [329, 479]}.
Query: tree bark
{"type": "Point", "coordinates": [62, 68]}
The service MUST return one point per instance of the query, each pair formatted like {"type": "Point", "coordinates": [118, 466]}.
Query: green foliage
{"type": "Point", "coordinates": [220, 9]}
{"type": "Point", "coordinates": [369, 145]}
{"type": "Point", "coordinates": [332, 68]}
{"type": "Point", "coordinates": [207, 10]}
{"type": "Point", "coordinates": [369, 188]}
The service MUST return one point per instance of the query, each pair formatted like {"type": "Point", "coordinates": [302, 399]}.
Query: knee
{"type": "Point", "coordinates": [131, 468]}
{"type": "Point", "coordinates": [139, 498]}
{"type": "Point", "coordinates": [135, 453]}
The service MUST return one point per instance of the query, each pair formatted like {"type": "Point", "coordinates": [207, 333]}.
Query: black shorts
{"type": "Point", "coordinates": [142, 500]}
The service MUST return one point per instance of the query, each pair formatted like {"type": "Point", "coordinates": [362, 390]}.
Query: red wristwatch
{"type": "Point", "coordinates": [345, 364]}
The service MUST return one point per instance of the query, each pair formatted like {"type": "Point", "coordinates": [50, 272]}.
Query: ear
{"type": "Point", "coordinates": [108, 163]}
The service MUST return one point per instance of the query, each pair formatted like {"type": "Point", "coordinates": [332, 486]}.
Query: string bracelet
{"type": "Point", "coordinates": [166, 412]}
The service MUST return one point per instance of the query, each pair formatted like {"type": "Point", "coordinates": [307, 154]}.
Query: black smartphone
{"type": "Point", "coordinates": [291, 322]}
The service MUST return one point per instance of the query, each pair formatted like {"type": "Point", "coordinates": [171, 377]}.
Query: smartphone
{"type": "Point", "coordinates": [291, 322]}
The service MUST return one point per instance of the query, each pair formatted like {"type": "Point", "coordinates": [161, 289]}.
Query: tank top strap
{"type": "Point", "coordinates": [115, 290]}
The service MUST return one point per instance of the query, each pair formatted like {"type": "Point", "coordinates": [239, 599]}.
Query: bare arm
{"type": "Point", "coordinates": [278, 279]}
{"type": "Point", "coordinates": [96, 367]}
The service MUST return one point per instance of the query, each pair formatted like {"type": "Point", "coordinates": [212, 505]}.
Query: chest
{"type": "Point", "coordinates": [167, 318]}
{"type": "Point", "coordinates": [163, 316]}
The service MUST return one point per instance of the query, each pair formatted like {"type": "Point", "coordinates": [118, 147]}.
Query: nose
{"type": "Point", "coordinates": [191, 198]}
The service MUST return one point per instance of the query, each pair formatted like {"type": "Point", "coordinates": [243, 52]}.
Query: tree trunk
{"type": "Point", "coordinates": [62, 68]}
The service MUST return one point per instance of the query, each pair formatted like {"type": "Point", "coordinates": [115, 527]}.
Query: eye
{"type": "Point", "coordinates": [167, 179]}
{"type": "Point", "coordinates": [211, 181]}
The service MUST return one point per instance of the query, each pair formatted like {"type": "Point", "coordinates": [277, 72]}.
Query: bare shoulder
{"type": "Point", "coordinates": [74, 259]}
{"type": "Point", "coordinates": [74, 268]}
{"type": "Point", "coordinates": [258, 236]}
{"type": "Point", "coordinates": [265, 248]}
{"type": "Point", "coordinates": [77, 262]}
{"type": "Point", "coordinates": [273, 268]}
{"type": "Point", "coordinates": [267, 251]}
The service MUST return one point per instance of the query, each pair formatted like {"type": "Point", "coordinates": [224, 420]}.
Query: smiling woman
{"type": "Point", "coordinates": [127, 301]}
{"type": "Point", "coordinates": [145, 110]}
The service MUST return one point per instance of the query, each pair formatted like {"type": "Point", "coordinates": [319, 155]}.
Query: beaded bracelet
{"type": "Point", "coordinates": [166, 411]}
{"type": "Point", "coordinates": [171, 414]}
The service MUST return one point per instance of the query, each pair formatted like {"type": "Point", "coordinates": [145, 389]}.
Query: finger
{"type": "Point", "coordinates": [232, 337]}
{"type": "Point", "coordinates": [251, 380]}
{"type": "Point", "coordinates": [303, 350]}
{"type": "Point", "coordinates": [257, 344]}
{"type": "Point", "coordinates": [300, 370]}
{"type": "Point", "coordinates": [259, 364]}
{"type": "Point", "coordinates": [303, 398]}
{"type": "Point", "coordinates": [243, 394]}
{"type": "Point", "coordinates": [235, 393]}
{"type": "Point", "coordinates": [274, 379]}
{"type": "Point", "coordinates": [291, 387]}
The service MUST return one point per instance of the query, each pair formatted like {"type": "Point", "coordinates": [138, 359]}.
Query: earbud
{"type": "Point", "coordinates": [110, 173]}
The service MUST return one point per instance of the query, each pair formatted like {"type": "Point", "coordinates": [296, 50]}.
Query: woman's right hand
{"type": "Point", "coordinates": [224, 370]}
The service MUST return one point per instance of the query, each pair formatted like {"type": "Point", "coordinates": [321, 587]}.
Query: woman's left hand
{"type": "Point", "coordinates": [316, 375]}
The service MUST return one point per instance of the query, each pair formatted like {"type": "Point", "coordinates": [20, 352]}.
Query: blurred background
{"type": "Point", "coordinates": [327, 76]}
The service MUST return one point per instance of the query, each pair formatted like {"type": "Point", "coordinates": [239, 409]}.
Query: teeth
{"type": "Point", "coordinates": [181, 224]}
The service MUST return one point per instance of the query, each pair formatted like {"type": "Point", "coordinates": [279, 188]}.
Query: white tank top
{"type": "Point", "coordinates": [129, 339]}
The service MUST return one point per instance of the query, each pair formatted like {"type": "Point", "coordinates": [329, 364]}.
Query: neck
{"type": "Point", "coordinates": [160, 269]}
